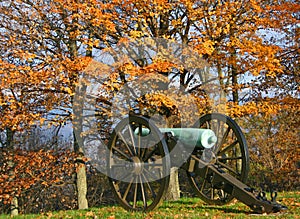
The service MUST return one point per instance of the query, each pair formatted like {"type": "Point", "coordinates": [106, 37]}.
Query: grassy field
{"type": "Point", "coordinates": [184, 208]}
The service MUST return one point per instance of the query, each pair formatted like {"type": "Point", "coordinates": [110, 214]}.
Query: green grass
{"type": "Point", "coordinates": [184, 208]}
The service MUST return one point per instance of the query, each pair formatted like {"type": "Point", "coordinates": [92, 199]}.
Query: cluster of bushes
{"type": "Point", "coordinates": [45, 181]}
{"type": "Point", "coordinates": [273, 143]}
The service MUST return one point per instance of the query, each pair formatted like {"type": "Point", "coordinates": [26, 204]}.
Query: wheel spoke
{"type": "Point", "coordinates": [119, 165]}
{"type": "Point", "coordinates": [228, 168]}
{"type": "Point", "coordinates": [203, 186]}
{"type": "Point", "coordinates": [122, 178]}
{"type": "Point", "coordinates": [204, 180]}
{"type": "Point", "coordinates": [218, 128]}
{"type": "Point", "coordinates": [132, 140]}
{"type": "Point", "coordinates": [225, 136]}
{"type": "Point", "coordinates": [151, 153]}
{"type": "Point", "coordinates": [212, 193]}
{"type": "Point", "coordinates": [127, 146]}
{"type": "Point", "coordinates": [230, 158]}
{"type": "Point", "coordinates": [213, 126]}
{"type": "Point", "coordinates": [149, 186]}
{"type": "Point", "coordinates": [228, 147]}
{"type": "Point", "coordinates": [205, 125]}
{"type": "Point", "coordinates": [150, 174]}
{"type": "Point", "coordinates": [127, 190]}
{"type": "Point", "coordinates": [135, 193]}
{"type": "Point", "coordinates": [140, 140]}
{"type": "Point", "coordinates": [221, 194]}
{"type": "Point", "coordinates": [114, 149]}
{"type": "Point", "coordinates": [206, 192]}
{"type": "Point", "coordinates": [143, 191]}
{"type": "Point", "coordinates": [144, 149]}
{"type": "Point", "coordinates": [153, 165]}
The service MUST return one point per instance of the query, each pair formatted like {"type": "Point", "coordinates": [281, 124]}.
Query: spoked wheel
{"type": "Point", "coordinates": [138, 164]}
{"type": "Point", "coordinates": [231, 155]}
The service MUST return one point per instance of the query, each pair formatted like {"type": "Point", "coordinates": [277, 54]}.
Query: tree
{"type": "Point", "coordinates": [40, 59]}
{"type": "Point", "coordinates": [47, 45]}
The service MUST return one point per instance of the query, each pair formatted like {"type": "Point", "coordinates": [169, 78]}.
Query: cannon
{"type": "Point", "coordinates": [213, 152]}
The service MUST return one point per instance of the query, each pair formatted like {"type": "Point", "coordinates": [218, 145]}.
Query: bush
{"type": "Point", "coordinates": [273, 142]}
{"type": "Point", "coordinates": [31, 175]}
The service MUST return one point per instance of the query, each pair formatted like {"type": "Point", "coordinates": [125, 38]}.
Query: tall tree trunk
{"type": "Point", "coordinates": [81, 179]}
{"type": "Point", "coordinates": [14, 208]}
{"type": "Point", "coordinates": [173, 192]}
{"type": "Point", "coordinates": [9, 138]}
{"type": "Point", "coordinates": [77, 102]}
{"type": "Point", "coordinates": [234, 77]}
{"type": "Point", "coordinates": [81, 183]}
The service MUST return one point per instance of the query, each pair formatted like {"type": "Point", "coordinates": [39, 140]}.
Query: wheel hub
{"type": "Point", "coordinates": [138, 166]}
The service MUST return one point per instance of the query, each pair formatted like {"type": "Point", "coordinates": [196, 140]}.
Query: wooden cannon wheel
{"type": "Point", "coordinates": [138, 164]}
{"type": "Point", "coordinates": [231, 155]}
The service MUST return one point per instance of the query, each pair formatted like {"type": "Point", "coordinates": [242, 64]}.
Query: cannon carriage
{"type": "Point", "coordinates": [213, 152]}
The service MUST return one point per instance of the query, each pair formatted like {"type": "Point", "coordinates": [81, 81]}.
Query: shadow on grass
{"type": "Point", "coordinates": [192, 204]}
{"type": "Point", "coordinates": [189, 204]}
{"type": "Point", "coordinates": [228, 209]}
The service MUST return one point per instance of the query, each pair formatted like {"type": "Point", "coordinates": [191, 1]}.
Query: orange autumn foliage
{"type": "Point", "coordinates": [21, 170]}
{"type": "Point", "coordinates": [252, 47]}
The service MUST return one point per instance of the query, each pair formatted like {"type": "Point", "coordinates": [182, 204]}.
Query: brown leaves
{"type": "Point", "coordinates": [20, 170]}
{"type": "Point", "coordinates": [272, 136]}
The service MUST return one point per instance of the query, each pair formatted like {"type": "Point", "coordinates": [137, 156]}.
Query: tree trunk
{"type": "Point", "coordinates": [9, 138]}
{"type": "Point", "coordinates": [14, 207]}
{"type": "Point", "coordinates": [235, 94]}
{"type": "Point", "coordinates": [173, 192]}
{"type": "Point", "coordinates": [81, 185]}
{"type": "Point", "coordinates": [81, 179]}
{"type": "Point", "coordinates": [234, 77]}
